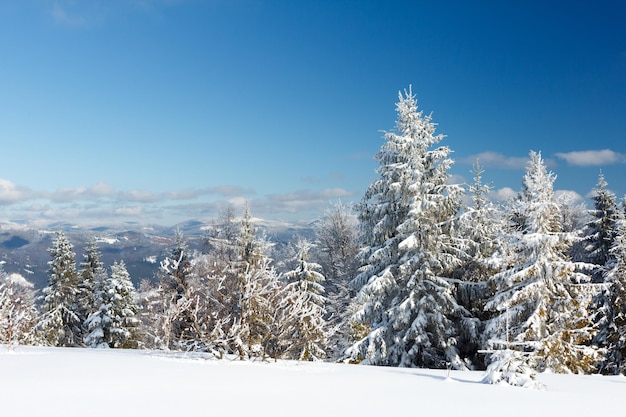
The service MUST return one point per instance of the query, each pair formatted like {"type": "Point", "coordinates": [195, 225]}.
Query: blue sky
{"type": "Point", "coordinates": [165, 110]}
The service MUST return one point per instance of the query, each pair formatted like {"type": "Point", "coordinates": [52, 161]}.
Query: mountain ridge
{"type": "Point", "coordinates": [24, 246]}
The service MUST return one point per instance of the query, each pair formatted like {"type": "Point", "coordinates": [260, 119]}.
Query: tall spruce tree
{"type": "Point", "coordinates": [304, 297]}
{"type": "Point", "coordinates": [406, 301]}
{"type": "Point", "coordinates": [600, 232]}
{"type": "Point", "coordinates": [612, 312]}
{"type": "Point", "coordinates": [114, 323]}
{"type": "Point", "coordinates": [61, 323]}
{"type": "Point", "coordinates": [541, 297]}
{"type": "Point", "coordinates": [90, 266]}
{"type": "Point", "coordinates": [480, 224]}
{"type": "Point", "coordinates": [337, 238]}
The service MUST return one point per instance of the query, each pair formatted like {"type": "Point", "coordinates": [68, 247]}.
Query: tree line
{"type": "Point", "coordinates": [420, 273]}
{"type": "Point", "coordinates": [228, 299]}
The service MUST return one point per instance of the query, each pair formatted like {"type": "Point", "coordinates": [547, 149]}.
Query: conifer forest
{"type": "Point", "coordinates": [420, 272]}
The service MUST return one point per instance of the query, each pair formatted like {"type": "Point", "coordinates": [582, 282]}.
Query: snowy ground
{"type": "Point", "coordinates": [72, 382]}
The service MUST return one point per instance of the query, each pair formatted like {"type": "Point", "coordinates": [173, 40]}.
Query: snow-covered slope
{"type": "Point", "coordinates": [72, 382]}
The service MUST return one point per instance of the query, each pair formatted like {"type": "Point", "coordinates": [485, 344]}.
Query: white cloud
{"type": "Point", "coordinates": [102, 189]}
{"type": "Point", "coordinates": [503, 194]}
{"type": "Point", "coordinates": [131, 211]}
{"type": "Point", "coordinates": [99, 190]}
{"type": "Point", "coordinates": [103, 203]}
{"type": "Point", "coordinates": [139, 196]}
{"type": "Point", "coordinates": [496, 160]}
{"type": "Point", "coordinates": [229, 191]}
{"type": "Point", "coordinates": [10, 193]}
{"type": "Point", "coordinates": [592, 157]}
{"type": "Point", "coordinates": [307, 201]}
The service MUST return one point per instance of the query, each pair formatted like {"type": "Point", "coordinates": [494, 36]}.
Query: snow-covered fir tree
{"type": "Point", "coordinates": [599, 233]}
{"type": "Point", "coordinates": [169, 324]}
{"type": "Point", "coordinates": [177, 265]}
{"type": "Point", "coordinates": [511, 367]}
{"type": "Point", "coordinates": [18, 314]}
{"type": "Point", "coordinates": [541, 297]}
{"type": "Point", "coordinates": [61, 324]}
{"type": "Point", "coordinates": [249, 253]}
{"type": "Point", "coordinates": [612, 312]}
{"type": "Point", "coordinates": [337, 244]}
{"type": "Point", "coordinates": [175, 282]}
{"type": "Point", "coordinates": [337, 237]}
{"type": "Point", "coordinates": [222, 239]}
{"type": "Point", "coordinates": [99, 322]}
{"type": "Point", "coordinates": [90, 266]}
{"type": "Point", "coordinates": [480, 224]}
{"type": "Point", "coordinates": [114, 323]}
{"type": "Point", "coordinates": [406, 300]}
{"type": "Point", "coordinates": [304, 299]}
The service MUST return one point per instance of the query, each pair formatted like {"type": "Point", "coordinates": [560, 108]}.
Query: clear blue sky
{"type": "Point", "coordinates": [163, 110]}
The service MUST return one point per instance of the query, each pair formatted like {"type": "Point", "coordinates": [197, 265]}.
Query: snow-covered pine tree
{"type": "Point", "coordinates": [89, 267]}
{"type": "Point", "coordinates": [405, 298]}
{"type": "Point", "coordinates": [231, 297]}
{"type": "Point", "coordinates": [599, 233]}
{"type": "Point", "coordinates": [511, 367]}
{"type": "Point", "coordinates": [174, 288]}
{"type": "Point", "coordinates": [337, 236]}
{"type": "Point", "coordinates": [98, 322]}
{"type": "Point", "coordinates": [256, 289]}
{"type": "Point", "coordinates": [480, 224]}
{"type": "Point", "coordinates": [178, 263]}
{"type": "Point", "coordinates": [304, 300]}
{"type": "Point", "coordinates": [18, 314]}
{"type": "Point", "coordinates": [124, 308]}
{"type": "Point", "coordinates": [612, 323]}
{"type": "Point", "coordinates": [541, 298]}
{"type": "Point", "coordinates": [222, 239]}
{"type": "Point", "coordinates": [114, 323]}
{"type": "Point", "coordinates": [60, 324]}
{"type": "Point", "coordinates": [248, 247]}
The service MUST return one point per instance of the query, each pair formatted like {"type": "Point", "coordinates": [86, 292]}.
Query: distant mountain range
{"type": "Point", "coordinates": [24, 247]}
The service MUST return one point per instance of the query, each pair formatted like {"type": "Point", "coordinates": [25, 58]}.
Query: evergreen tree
{"type": "Point", "coordinates": [178, 265]}
{"type": "Point", "coordinates": [18, 313]}
{"type": "Point", "coordinates": [61, 323]}
{"type": "Point", "coordinates": [612, 334]}
{"type": "Point", "coordinates": [599, 233]}
{"type": "Point", "coordinates": [256, 287]}
{"type": "Point", "coordinates": [406, 299]}
{"type": "Point", "coordinates": [248, 247]}
{"type": "Point", "coordinates": [115, 321]}
{"type": "Point", "coordinates": [337, 236]}
{"type": "Point", "coordinates": [99, 322]}
{"type": "Point", "coordinates": [222, 240]}
{"type": "Point", "coordinates": [511, 367]}
{"type": "Point", "coordinates": [480, 224]}
{"type": "Point", "coordinates": [541, 297]}
{"type": "Point", "coordinates": [174, 288]}
{"type": "Point", "coordinates": [90, 266]}
{"type": "Point", "coordinates": [303, 297]}
{"type": "Point", "coordinates": [253, 328]}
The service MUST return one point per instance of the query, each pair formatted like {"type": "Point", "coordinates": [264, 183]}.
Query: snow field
{"type": "Point", "coordinates": [38, 381]}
